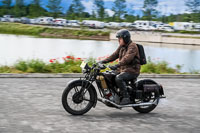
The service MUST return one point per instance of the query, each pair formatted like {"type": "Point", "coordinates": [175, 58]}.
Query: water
{"type": "Point", "coordinates": [13, 48]}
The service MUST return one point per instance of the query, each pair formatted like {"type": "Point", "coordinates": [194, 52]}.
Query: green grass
{"type": "Point", "coordinates": [20, 29]}
{"type": "Point", "coordinates": [160, 67]}
{"type": "Point", "coordinates": [179, 31]}
{"type": "Point", "coordinates": [41, 31]}
{"type": "Point", "coordinates": [72, 65]}
{"type": "Point", "coordinates": [184, 37]}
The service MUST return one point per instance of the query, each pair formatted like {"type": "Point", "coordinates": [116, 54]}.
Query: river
{"type": "Point", "coordinates": [14, 48]}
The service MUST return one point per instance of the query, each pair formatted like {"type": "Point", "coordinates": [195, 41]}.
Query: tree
{"type": "Point", "coordinates": [129, 18]}
{"type": "Point", "coordinates": [19, 8]}
{"type": "Point", "coordinates": [86, 15]}
{"type": "Point", "coordinates": [70, 13]}
{"type": "Point", "coordinates": [19, 3]}
{"type": "Point", "coordinates": [119, 8]}
{"type": "Point", "coordinates": [99, 4]}
{"type": "Point", "coordinates": [193, 5]}
{"type": "Point", "coordinates": [149, 10]}
{"type": "Point", "coordinates": [93, 16]}
{"type": "Point", "coordinates": [36, 2]}
{"type": "Point", "coordinates": [5, 8]}
{"type": "Point", "coordinates": [7, 3]}
{"type": "Point", "coordinates": [75, 10]}
{"type": "Point", "coordinates": [54, 7]}
{"type": "Point", "coordinates": [35, 9]}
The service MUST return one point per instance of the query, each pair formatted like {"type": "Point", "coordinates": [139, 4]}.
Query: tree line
{"type": "Point", "coordinates": [76, 10]}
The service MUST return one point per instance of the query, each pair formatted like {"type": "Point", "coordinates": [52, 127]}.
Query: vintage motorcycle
{"type": "Point", "coordinates": [81, 95]}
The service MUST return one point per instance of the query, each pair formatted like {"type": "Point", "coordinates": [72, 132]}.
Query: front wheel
{"type": "Point", "coordinates": [76, 103]}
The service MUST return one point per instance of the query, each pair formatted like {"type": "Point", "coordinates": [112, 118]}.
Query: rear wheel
{"type": "Point", "coordinates": [148, 97]}
{"type": "Point", "coordinates": [151, 97]}
{"type": "Point", "coordinates": [74, 102]}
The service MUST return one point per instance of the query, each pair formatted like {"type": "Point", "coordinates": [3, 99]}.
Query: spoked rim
{"type": "Point", "coordinates": [76, 101]}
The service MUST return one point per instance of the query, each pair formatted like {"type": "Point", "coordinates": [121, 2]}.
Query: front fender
{"type": "Point", "coordinates": [79, 81]}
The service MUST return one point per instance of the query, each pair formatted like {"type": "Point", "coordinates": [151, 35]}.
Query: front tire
{"type": "Point", "coordinates": [76, 104]}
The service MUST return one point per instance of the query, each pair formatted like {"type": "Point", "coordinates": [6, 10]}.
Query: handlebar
{"type": "Point", "coordinates": [101, 66]}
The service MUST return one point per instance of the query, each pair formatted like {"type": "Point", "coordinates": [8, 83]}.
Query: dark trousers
{"type": "Point", "coordinates": [121, 81]}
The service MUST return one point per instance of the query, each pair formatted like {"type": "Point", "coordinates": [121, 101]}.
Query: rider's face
{"type": "Point", "coordinates": [121, 41]}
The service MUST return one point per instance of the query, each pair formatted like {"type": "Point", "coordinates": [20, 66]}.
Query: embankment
{"type": "Point", "coordinates": [47, 32]}
{"type": "Point", "coordinates": [157, 37]}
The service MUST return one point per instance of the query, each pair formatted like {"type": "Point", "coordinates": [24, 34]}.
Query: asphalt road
{"type": "Point", "coordinates": [33, 105]}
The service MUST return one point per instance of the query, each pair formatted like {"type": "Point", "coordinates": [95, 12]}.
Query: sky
{"type": "Point", "coordinates": [165, 7]}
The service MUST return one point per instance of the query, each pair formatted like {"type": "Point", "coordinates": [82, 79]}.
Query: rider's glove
{"type": "Point", "coordinates": [101, 62]}
{"type": "Point", "coordinates": [114, 67]}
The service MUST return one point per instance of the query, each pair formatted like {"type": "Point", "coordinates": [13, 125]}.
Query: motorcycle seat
{"type": "Point", "coordinates": [132, 81]}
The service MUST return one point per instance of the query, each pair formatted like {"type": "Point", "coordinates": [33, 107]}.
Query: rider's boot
{"type": "Point", "coordinates": [125, 98]}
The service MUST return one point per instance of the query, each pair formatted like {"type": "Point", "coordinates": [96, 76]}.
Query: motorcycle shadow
{"type": "Point", "coordinates": [133, 115]}
{"type": "Point", "coordinates": [119, 115]}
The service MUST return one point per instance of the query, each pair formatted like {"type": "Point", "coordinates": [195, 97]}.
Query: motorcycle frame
{"type": "Point", "coordinates": [90, 77]}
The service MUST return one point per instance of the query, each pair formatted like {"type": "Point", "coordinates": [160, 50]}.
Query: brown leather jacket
{"type": "Point", "coordinates": [128, 58]}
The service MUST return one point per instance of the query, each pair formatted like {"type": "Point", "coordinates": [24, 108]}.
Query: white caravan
{"type": "Point", "coordinates": [45, 20]}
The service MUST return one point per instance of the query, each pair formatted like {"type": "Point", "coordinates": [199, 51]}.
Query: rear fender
{"type": "Point", "coordinates": [139, 85]}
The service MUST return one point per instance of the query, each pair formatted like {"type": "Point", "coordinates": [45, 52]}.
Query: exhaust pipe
{"type": "Point", "coordinates": [103, 100]}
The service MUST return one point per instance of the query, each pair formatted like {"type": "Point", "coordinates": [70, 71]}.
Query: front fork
{"type": "Point", "coordinates": [85, 86]}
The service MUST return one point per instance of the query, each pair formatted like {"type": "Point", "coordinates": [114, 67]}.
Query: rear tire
{"type": "Point", "coordinates": [71, 95]}
{"type": "Point", "coordinates": [147, 109]}
{"type": "Point", "coordinates": [154, 96]}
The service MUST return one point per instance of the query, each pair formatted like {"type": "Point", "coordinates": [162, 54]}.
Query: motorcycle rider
{"type": "Point", "coordinates": [129, 64]}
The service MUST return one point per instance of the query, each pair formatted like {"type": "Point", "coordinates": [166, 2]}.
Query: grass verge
{"type": "Point", "coordinates": [41, 31]}
{"type": "Point", "coordinates": [71, 64]}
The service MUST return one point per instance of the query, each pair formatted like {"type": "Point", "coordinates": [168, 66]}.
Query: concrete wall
{"type": "Point", "coordinates": [156, 37]}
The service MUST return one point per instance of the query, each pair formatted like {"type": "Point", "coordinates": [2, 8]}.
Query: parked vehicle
{"type": "Point", "coordinates": [75, 25]}
{"type": "Point", "coordinates": [74, 21]}
{"type": "Point", "coordinates": [25, 20]}
{"type": "Point", "coordinates": [4, 20]}
{"type": "Point", "coordinates": [72, 24]}
{"type": "Point", "coordinates": [167, 28]}
{"type": "Point", "coordinates": [133, 25]}
{"type": "Point", "coordinates": [197, 27]}
{"type": "Point", "coordinates": [126, 24]}
{"type": "Point", "coordinates": [18, 20]}
{"type": "Point", "coordinates": [60, 22]}
{"type": "Point", "coordinates": [142, 23]}
{"type": "Point", "coordinates": [183, 26]}
{"type": "Point", "coordinates": [114, 25]}
{"type": "Point", "coordinates": [45, 20]}
{"type": "Point", "coordinates": [145, 25]}
{"type": "Point", "coordinates": [8, 16]}
{"type": "Point", "coordinates": [33, 21]}
{"type": "Point", "coordinates": [80, 95]}
{"type": "Point", "coordinates": [93, 24]}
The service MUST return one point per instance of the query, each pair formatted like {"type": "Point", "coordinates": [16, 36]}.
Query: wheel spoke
{"type": "Point", "coordinates": [86, 100]}
{"type": "Point", "coordinates": [83, 102]}
{"type": "Point", "coordinates": [85, 91]}
{"type": "Point", "coordinates": [76, 89]}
